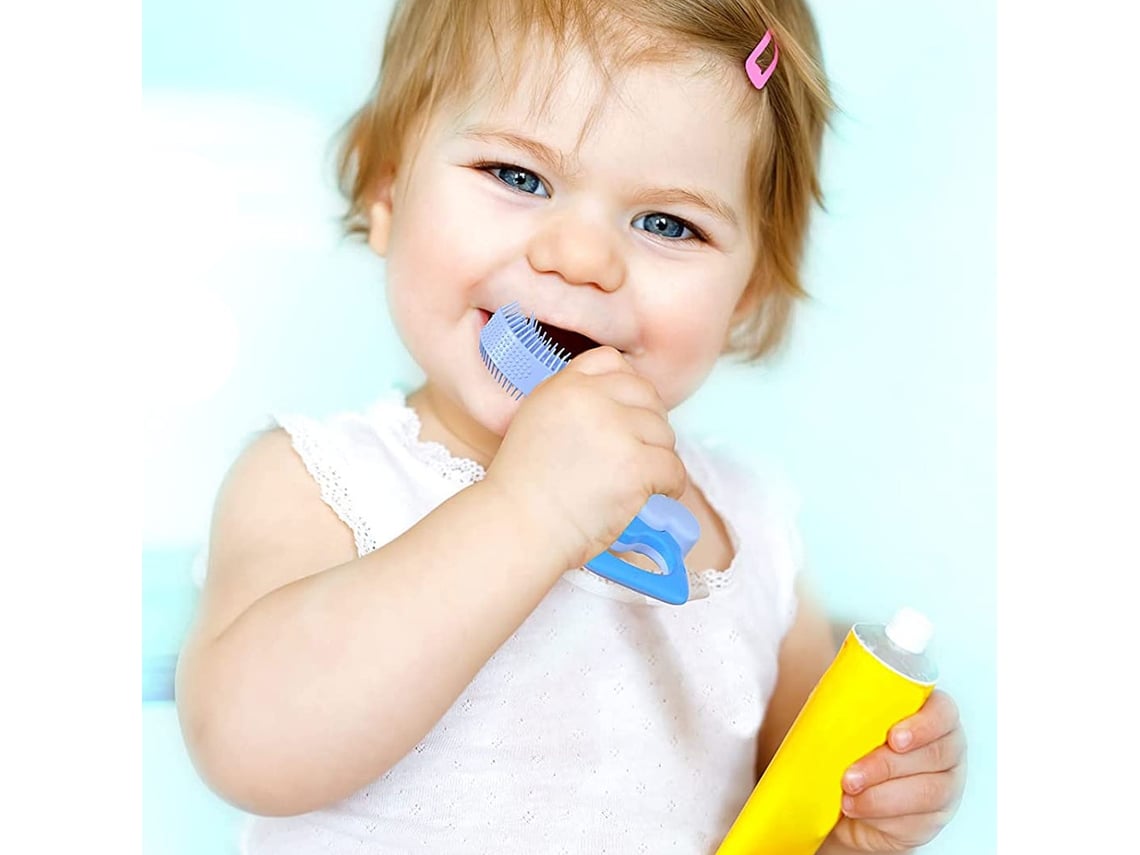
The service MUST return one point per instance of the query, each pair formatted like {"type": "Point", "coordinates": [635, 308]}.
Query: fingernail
{"type": "Point", "coordinates": [903, 738]}
{"type": "Point", "coordinates": [848, 805]}
{"type": "Point", "coordinates": [853, 781]}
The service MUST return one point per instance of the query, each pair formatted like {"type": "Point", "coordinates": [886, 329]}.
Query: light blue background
{"type": "Point", "coordinates": [881, 410]}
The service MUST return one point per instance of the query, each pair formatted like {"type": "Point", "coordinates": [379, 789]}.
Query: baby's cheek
{"type": "Point", "coordinates": [680, 358]}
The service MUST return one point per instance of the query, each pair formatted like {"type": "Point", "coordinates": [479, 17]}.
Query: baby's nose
{"type": "Point", "coordinates": [581, 252]}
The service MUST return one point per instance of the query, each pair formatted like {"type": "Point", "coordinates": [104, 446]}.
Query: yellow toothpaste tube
{"type": "Point", "coordinates": [880, 676]}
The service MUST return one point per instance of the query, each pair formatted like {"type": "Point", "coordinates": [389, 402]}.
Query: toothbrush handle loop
{"type": "Point", "coordinates": [664, 532]}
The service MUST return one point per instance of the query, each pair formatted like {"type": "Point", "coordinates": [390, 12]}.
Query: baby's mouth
{"type": "Point", "coordinates": [572, 342]}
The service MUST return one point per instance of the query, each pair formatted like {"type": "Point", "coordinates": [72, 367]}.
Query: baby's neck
{"type": "Point", "coordinates": [445, 422]}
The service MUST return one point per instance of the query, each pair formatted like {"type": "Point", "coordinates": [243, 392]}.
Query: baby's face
{"type": "Point", "coordinates": [638, 237]}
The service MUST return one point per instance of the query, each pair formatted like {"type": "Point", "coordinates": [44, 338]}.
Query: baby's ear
{"type": "Point", "coordinates": [747, 305]}
{"type": "Point", "coordinates": [380, 216]}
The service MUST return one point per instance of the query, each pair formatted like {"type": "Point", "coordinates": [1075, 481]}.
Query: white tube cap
{"type": "Point", "coordinates": [910, 630]}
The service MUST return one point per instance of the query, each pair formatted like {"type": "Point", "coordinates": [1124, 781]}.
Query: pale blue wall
{"type": "Point", "coordinates": [881, 412]}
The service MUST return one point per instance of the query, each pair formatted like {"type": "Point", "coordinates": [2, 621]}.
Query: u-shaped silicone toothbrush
{"type": "Point", "coordinates": [519, 356]}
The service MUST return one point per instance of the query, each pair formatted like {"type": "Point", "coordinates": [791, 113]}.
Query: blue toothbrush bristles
{"type": "Point", "coordinates": [518, 352]}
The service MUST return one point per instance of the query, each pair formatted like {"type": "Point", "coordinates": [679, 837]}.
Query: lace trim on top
{"type": "Point", "coordinates": [434, 454]}
{"type": "Point", "coordinates": [325, 467]}
{"type": "Point", "coordinates": [703, 582]}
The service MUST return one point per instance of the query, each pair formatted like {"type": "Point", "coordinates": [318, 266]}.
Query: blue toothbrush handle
{"type": "Point", "coordinates": [664, 532]}
{"type": "Point", "coordinates": [520, 356]}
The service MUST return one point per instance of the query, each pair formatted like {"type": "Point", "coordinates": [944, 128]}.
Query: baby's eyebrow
{"type": "Point", "coordinates": [568, 166]}
{"type": "Point", "coordinates": [547, 156]}
{"type": "Point", "coordinates": [679, 195]}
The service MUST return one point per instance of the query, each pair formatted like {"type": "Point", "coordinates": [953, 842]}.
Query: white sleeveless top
{"type": "Point", "coordinates": [607, 722]}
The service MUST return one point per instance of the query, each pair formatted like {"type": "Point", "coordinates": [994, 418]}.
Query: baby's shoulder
{"type": "Point", "coordinates": [268, 487]}
{"type": "Point", "coordinates": [269, 526]}
{"type": "Point", "coordinates": [266, 464]}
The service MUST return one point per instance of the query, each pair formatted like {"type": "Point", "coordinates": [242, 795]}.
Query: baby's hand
{"type": "Point", "coordinates": [584, 452]}
{"type": "Point", "coordinates": [901, 794]}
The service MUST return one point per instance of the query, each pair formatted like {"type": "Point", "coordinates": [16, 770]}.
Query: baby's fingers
{"type": "Point", "coordinates": [599, 360]}
{"type": "Point", "coordinates": [669, 476]}
{"type": "Point", "coordinates": [932, 793]}
{"type": "Point", "coordinates": [884, 763]}
{"type": "Point", "coordinates": [938, 716]}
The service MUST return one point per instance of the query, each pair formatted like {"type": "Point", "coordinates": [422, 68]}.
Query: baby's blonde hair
{"type": "Point", "coordinates": [442, 51]}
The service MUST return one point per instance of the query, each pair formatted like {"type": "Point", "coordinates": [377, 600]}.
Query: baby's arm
{"type": "Point", "coordinates": [310, 671]}
{"type": "Point", "coordinates": [805, 653]}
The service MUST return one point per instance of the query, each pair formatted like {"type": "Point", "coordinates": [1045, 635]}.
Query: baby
{"type": "Point", "coordinates": [397, 648]}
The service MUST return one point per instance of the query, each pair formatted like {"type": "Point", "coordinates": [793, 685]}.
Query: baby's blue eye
{"type": "Point", "coordinates": [665, 226]}
{"type": "Point", "coordinates": [519, 179]}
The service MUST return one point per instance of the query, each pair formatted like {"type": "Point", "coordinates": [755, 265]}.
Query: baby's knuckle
{"type": "Point", "coordinates": [939, 819]}
{"type": "Point", "coordinates": [870, 802]}
{"type": "Point", "coordinates": [679, 475]}
{"type": "Point", "coordinates": [646, 386]}
{"type": "Point", "coordinates": [935, 792]}
{"type": "Point", "coordinates": [658, 479]}
{"type": "Point", "coordinates": [879, 768]}
{"type": "Point", "coordinates": [938, 752]}
{"type": "Point", "coordinates": [947, 710]}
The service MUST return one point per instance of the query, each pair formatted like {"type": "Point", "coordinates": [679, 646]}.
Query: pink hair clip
{"type": "Point", "coordinates": [759, 76]}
